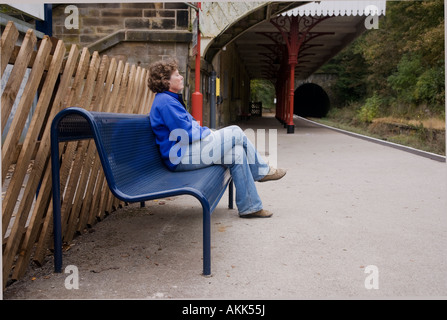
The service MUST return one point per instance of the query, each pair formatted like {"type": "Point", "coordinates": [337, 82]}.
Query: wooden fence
{"type": "Point", "coordinates": [60, 78]}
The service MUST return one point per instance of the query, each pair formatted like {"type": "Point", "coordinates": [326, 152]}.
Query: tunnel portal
{"type": "Point", "coordinates": [311, 101]}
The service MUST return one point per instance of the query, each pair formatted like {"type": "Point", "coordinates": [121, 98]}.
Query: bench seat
{"type": "Point", "coordinates": [133, 167]}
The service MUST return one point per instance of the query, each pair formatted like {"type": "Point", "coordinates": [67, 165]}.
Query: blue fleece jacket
{"type": "Point", "coordinates": [168, 114]}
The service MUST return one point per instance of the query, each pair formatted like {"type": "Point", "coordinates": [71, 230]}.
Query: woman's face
{"type": "Point", "coordinates": [176, 82]}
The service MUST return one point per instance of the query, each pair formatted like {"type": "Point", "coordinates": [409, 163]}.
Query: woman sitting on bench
{"type": "Point", "coordinates": [185, 145]}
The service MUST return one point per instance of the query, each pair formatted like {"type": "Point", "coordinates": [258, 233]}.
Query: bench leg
{"type": "Point", "coordinates": [57, 226]}
{"type": "Point", "coordinates": [230, 194]}
{"type": "Point", "coordinates": [206, 242]}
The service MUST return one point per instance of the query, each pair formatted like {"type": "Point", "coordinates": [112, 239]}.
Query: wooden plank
{"type": "Point", "coordinates": [108, 200]}
{"type": "Point", "coordinates": [73, 98]}
{"type": "Point", "coordinates": [87, 94]}
{"type": "Point", "coordinates": [30, 142]}
{"type": "Point", "coordinates": [130, 105]}
{"type": "Point", "coordinates": [74, 193]}
{"type": "Point", "coordinates": [39, 167]}
{"type": "Point", "coordinates": [113, 78]}
{"type": "Point", "coordinates": [68, 97]}
{"type": "Point", "coordinates": [15, 54]}
{"type": "Point", "coordinates": [15, 79]}
{"type": "Point", "coordinates": [127, 105]}
{"type": "Point", "coordinates": [8, 40]}
{"type": "Point", "coordinates": [12, 138]}
{"type": "Point", "coordinates": [148, 98]}
{"type": "Point", "coordinates": [112, 105]}
{"type": "Point", "coordinates": [93, 186]}
{"type": "Point", "coordinates": [134, 93]}
{"type": "Point", "coordinates": [140, 94]}
{"type": "Point", "coordinates": [82, 149]}
{"type": "Point", "coordinates": [86, 170]}
{"type": "Point", "coordinates": [100, 90]}
{"type": "Point", "coordinates": [120, 108]}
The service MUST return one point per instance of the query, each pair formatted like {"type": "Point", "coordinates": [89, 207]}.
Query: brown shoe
{"type": "Point", "coordinates": [274, 174]}
{"type": "Point", "coordinates": [258, 214]}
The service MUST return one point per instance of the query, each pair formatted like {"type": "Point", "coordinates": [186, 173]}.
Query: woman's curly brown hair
{"type": "Point", "coordinates": [160, 73]}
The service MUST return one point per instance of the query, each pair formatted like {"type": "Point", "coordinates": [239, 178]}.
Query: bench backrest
{"type": "Point", "coordinates": [129, 145]}
{"type": "Point", "coordinates": [125, 142]}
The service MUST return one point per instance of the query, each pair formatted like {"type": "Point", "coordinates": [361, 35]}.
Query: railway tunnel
{"type": "Point", "coordinates": [311, 100]}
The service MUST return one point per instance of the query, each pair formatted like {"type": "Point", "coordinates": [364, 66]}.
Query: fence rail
{"type": "Point", "coordinates": [60, 78]}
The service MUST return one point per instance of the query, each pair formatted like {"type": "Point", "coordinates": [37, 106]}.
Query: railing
{"type": "Point", "coordinates": [60, 78]}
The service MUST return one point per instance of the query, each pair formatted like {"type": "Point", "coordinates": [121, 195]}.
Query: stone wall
{"type": "Point", "coordinates": [137, 33]}
{"type": "Point", "coordinates": [101, 19]}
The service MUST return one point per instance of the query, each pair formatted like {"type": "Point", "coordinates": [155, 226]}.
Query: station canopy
{"type": "Point", "coordinates": [329, 26]}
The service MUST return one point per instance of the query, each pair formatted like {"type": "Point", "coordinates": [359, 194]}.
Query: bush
{"type": "Point", "coordinates": [430, 86]}
{"type": "Point", "coordinates": [404, 79]}
{"type": "Point", "coordinates": [370, 109]}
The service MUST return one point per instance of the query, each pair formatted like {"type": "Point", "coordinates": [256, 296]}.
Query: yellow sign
{"type": "Point", "coordinates": [217, 86]}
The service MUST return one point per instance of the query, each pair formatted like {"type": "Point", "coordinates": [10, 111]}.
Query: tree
{"type": "Point", "coordinates": [402, 61]}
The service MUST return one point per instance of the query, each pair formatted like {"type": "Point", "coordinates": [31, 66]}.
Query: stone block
{"type": "Point", "coordinates": [62, 30]}
{"type": "Point", "coordinates": [122, 13]}
{"type": "Point", "coordinates": [175, 5]}
{"type": "Point", "coordinates": [158, 36]}
{"type": "Point", "coordinates": [84, 38]}
{"type": "Point", "coordinates": [139, 5]}
{"type": "Point", "coordinates": [162, 24]}
{"type": "Point", "coordinates": [104, 30]}
{"type": "Point", "coordinates": [137, 23]}
{"type": "Point", "coordinates": [103, 5]}
{"type": "Point", "coordinates": [86, 29]}
{"type": "Point", "coordinates": [71, 39]}
{"type": "Point", "coordinates": [159, 13]}
{"type": "Point", "coordinates": [157, 49]}
{"type": "Point", "coordinates": [88, 12]}
{"type": "Point", "coordinates": [95, 21]}
{"type": "Point", "coordinates": [108, 41]}
{"type": "Point", "coordinates": [182, 49]}
{"type": "Point", "coordinates": [182, 19]}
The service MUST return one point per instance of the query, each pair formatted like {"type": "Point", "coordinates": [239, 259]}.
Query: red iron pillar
{"type": "Point", "coordinates": [289, 26]}
{"type": "Point", "coordinates": [197, 97]}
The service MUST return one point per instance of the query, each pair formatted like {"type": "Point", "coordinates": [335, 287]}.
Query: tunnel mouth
{"type": "Point", "coordinates": [311, 101]}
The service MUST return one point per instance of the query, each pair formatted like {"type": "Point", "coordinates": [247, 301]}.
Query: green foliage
{"type": "Point", "coordinates": [264, 91]}
{"type": "Point", "coordinates": [402, 62]}
{"type": "Point", "coordinates": [351, 71]}
{"type": "Point", "coordinates": [403, 81]}
{"type": "Point", "coordinates": [430, 87]}
{"type": "Point", "coordinates": [370, 109]}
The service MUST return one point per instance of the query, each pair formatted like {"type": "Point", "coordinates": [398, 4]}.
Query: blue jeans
{"type": "Point", "coordinates": [230, 147]}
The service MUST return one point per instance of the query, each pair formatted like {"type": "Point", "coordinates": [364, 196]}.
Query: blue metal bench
{"type": "Point", "coordinates": [133, 168]}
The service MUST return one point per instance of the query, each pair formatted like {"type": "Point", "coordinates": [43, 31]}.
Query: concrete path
{"type": "Point", "coordinates": [352, 219]}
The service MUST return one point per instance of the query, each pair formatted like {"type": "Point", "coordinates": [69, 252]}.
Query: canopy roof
{"type": "Point", "coordinates": [340, 8]}
{"type": "Point", "coordinates": [343, 22]}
